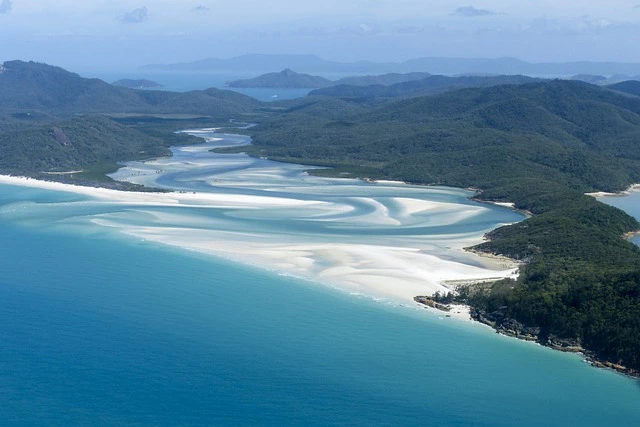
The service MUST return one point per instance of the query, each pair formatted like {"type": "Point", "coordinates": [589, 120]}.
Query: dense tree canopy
{"type": "Point", "coordinates": [541, 146]}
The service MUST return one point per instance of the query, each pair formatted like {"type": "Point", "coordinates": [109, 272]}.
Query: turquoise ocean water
{"type": "Point", "coordinates": [102, 328]}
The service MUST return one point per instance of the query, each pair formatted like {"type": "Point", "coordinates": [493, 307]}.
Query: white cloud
{"type": "Point", "coordinates": [585, 24]}
{"type": "Point", "coordinates": [336, 29]}
{"type": "Point", "coordinates": [136, 16]}
{"type": "Point", "coordinates": [5, 6]}
{"type": "Point", "coordinates": [471, 12]}
{"type": "Point", "coordinates": [201, 9]}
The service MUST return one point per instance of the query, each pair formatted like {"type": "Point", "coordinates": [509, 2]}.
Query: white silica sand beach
{"type": "Point", "coordinates": [128, 308]}
{"type": "Point", "coordinates": [385, 240]}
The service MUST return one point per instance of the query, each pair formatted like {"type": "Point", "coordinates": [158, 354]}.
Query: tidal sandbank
{"type": "Point", "coordinates": [388, 268]}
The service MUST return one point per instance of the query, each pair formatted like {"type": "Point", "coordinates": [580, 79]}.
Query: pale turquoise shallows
{"type": "Point", "coordinates": [103, 328]}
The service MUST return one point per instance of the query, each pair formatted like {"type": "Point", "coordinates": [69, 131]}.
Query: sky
{"type": "Point", "coordinates": [125, 34]}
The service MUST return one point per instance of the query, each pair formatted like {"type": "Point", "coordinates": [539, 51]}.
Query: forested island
{"type": "Point", "coordinates": [285, 79]}
{"type": "Point", "coordinates": [137, 84]}
{"type": "Point", "coordinates": [539, 144]}
{"type": "Point", "coordinates": [289, 79]}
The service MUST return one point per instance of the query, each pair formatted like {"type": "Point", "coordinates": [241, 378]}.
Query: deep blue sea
{"type": "Point", "coordinates": [103, 328]}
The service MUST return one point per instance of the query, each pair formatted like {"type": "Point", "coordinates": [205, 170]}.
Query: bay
{"type": "Point", "coordinates": [104, 326]}
{"type": "Point", "coordinates": [630, 203]}
{"type": "Point", "coordinates": [184, 81]}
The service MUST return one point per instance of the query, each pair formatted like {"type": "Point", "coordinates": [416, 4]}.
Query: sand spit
{"type": "Point", "coordinates": [395, 270]}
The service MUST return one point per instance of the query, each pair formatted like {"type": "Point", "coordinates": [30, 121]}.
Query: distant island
{"type": "Point", "coordinates": [429, 85]}
{"type": "Point", "coordinates": [539, 144]}
{"type": "Point", "coordinates": [285, 79]}
{"type": "Point", "coordinates": [395, 84]}
{"type": "Point", "coordinates": [137, 84]}
{"type": "Point", "coordinates": [604, 80]}
{"type": "Point", "coordinates": [289, 79]}
{"type": "Point", "coordinates": [261, 63]}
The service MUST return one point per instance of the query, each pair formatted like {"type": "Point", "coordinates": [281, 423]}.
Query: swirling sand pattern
{"type": "Point", "coordinates": [388, 240]}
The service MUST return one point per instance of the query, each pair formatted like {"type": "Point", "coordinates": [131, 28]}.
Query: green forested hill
{"type": "Point", "coordinates": [539, 145]}
{"type": "Point", "coordinates": [70, 144]}
{"type": "Point", "coordinates": [631, 87]}
{"type": "Point", "coordinates": [381, 79]}
{"type": "Point", "coordinates": [284, 79]}
{"type": "Point", "coordinates": [50, 121]}
{"type": "Point", "coordinates": [570, 133]}
{"type": "Point", "coordinates": [430, 85]}
{"type": "Point", "coordinates": [93, 144]}
{"type": "Point", "coordinates": [290, 79]}
{"type": "Point", "coordinates": [39, 87]}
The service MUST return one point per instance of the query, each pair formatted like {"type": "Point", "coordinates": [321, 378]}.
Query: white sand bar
{"type": "Point", "coordinates": [386, 240]}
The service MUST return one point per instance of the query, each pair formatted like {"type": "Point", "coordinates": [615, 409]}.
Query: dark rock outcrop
{"type": "Point", "coordinates": [61, 137]}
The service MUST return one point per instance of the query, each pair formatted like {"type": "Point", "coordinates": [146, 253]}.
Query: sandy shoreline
{"type": "Point", "coordinates": [631, 189]}
{"type": "Point", "coordinates": [394, 273]}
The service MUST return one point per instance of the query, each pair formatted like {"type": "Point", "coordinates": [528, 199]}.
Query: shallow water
{"type": "Point", "coordinates": [101, 328]}
{"type": "Point", "coordinates": [110, 328]}
{"type": "Point", "coordinates": [277, 215]}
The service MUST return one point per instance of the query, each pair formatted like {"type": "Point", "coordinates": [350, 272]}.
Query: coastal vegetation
{"type": "Point", "coordinates": [53, 122]}
{"type": "Point", "coordinates": [540, 145]}
{"type": "Point", "coordinates": [435, 65]}
{"type": "Point", "coordinates": [89, 146]}
{"type": "Point", "coordinates": [390, 85]}
{"type": "Point", "coordinates": [284, 79]}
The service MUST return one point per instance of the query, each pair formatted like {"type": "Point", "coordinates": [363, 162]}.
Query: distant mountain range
{"type": "Point", "coordinates": [603, 80]}
{"type": "Point", "coordinates": [392, 85]}
{"type": "Point", "coordinates": [539, 145]}
{"type": "Point", "coordinates": [434, 65]}
{"type": "Point", "coordinates": [290, 79]}
{"type": "Point", "coordinates": [35, 87]}
{"type": "Point", "coordinates": [630, 87]}
{"type": "Point", "coordinates": [53, 120]}
{"type": "Point", "coordinates": [426, 86]}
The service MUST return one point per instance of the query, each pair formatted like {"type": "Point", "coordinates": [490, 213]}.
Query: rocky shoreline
{"type": "Point", "coordinates": [503, 324]}
{"type": "Point", "coordinates": [430, 302]}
